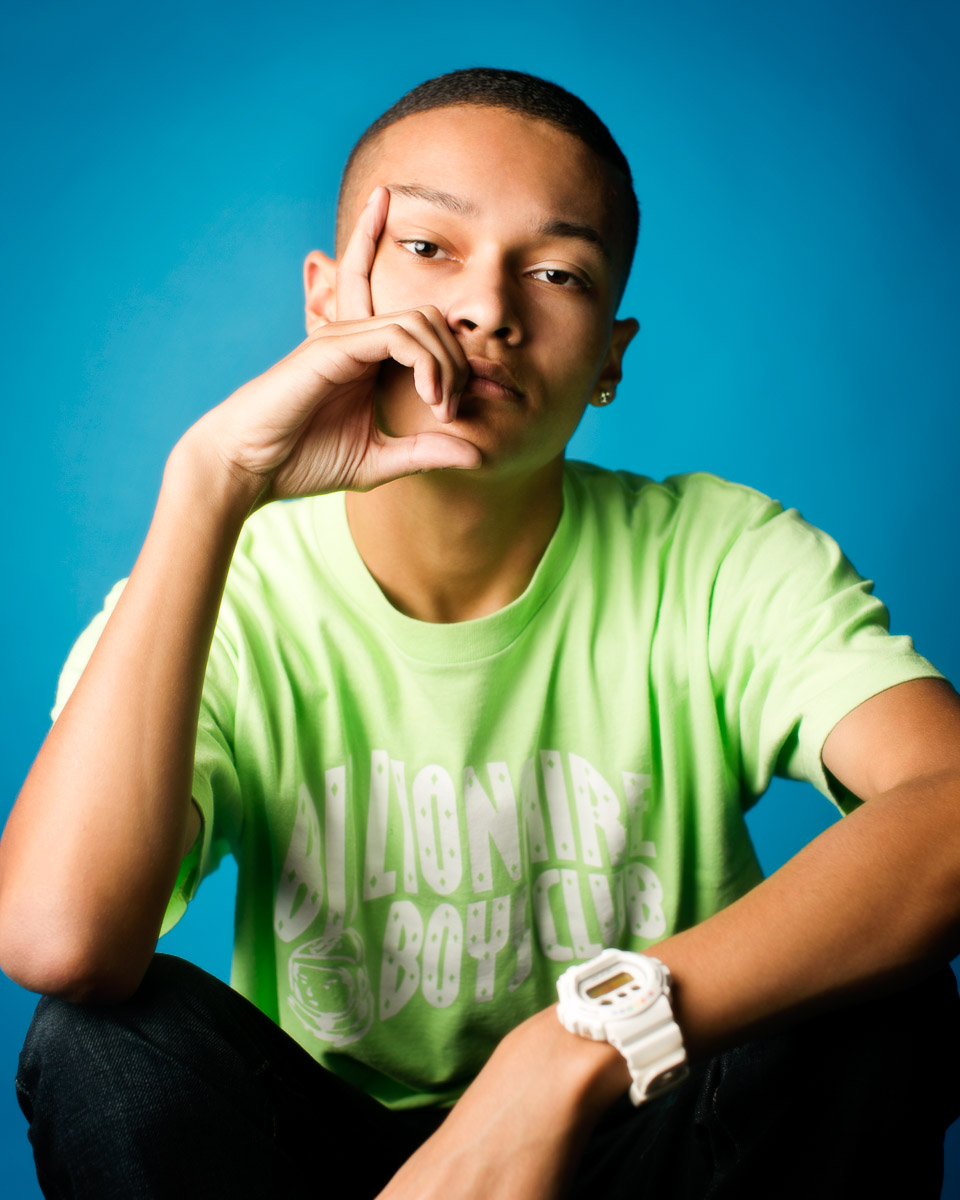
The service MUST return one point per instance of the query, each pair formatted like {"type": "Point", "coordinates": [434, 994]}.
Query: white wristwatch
{"type": "Point", "coordinates": [624, 999]}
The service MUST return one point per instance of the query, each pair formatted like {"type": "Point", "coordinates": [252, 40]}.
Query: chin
{"type": "Point", "coordinates": [499, 429]}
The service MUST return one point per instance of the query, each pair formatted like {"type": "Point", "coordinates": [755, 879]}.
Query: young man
{"type": "Point", "coordinates": [468, 715]}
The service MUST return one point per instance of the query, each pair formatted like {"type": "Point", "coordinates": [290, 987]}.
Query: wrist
{"type": "Point", "coordinates": [600, 1071]}
{"type": "Point", "coordinates": [581, 1077]}
{"type": "Point", "coordinates": [198, 474]}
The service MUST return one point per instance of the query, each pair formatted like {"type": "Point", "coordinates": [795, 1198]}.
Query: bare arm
{"type": "Point", "coordinates": [873, 902]}
{"type": "Point", "coordinates": [91, 850]}
{"type": "Point", "coordinates": [92, 847]}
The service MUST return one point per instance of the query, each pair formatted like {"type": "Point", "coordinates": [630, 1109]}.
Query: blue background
{"type": "Point", "coordinates": [168, 167]}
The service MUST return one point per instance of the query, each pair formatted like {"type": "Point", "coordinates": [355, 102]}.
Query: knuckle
{"type": "Point", "coordinates": [419, 320]}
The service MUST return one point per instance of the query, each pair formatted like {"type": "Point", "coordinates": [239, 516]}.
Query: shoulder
{"type": "Point", "coordinates": [692, 489]}
{"type": "Point", "coordinates": [696, 508]}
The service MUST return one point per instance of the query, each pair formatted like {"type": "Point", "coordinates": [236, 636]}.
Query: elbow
{"type": "Point", "coordinates": [78, 982]}
{"type": "Point", "coordinates": [66, 968]}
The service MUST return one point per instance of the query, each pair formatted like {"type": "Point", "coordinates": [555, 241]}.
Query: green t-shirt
{"type": "Point", "coordinates": [431, 822]}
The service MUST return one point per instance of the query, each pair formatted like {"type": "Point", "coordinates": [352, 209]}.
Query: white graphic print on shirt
{"type": "Point", "coordinates": [566, 853]}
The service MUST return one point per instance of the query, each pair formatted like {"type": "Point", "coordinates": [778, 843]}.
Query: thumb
{"type": "Point", "coordinates": [394, 457]}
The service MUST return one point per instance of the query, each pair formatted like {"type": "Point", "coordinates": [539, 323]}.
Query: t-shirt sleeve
{"type": "Point", "coordinates": [216, 790]}
{"type": "Point", "coordinates": [797, 640]}
{"type": "Point", "coordinates": [82, 649]}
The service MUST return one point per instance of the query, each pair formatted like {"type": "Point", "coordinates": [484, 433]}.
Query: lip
{"type": "Point", "coordinates": [491, 380]}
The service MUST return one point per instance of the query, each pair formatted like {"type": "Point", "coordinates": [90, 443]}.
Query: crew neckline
{"type": "Point", "coordinates": [457, 641]}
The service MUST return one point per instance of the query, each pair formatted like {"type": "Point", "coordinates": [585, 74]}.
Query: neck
{"type": "Point", "coordinates": [448, 546]}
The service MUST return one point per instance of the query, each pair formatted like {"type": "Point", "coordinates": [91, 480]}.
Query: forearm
{"type": "Point", "coordinates": [519, 1129]}
{"type": "Point", "coordinates": [92, 847]}
{"type": "Point", "coordinates": [872, 902]}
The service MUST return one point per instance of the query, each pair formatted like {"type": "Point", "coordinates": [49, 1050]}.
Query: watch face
{"type": "Point", "coordinates": [621, 989]}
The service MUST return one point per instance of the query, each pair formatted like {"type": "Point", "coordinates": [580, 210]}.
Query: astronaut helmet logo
{"type": "Point", "coordinates": [329, 988]}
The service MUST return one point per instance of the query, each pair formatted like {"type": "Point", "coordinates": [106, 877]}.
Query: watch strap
{"type": "Point", "coordinates": [652, 1046]}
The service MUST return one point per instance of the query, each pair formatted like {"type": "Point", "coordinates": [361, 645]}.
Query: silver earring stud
{"type": "Point", "coordinates": [604, 399]}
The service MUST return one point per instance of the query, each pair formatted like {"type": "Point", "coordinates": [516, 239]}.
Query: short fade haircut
{"type": "Point", "coordinates": [530, 96]}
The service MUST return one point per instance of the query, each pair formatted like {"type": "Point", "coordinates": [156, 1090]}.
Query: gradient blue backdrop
{"type": "Point", "coordinates": [169, 166]}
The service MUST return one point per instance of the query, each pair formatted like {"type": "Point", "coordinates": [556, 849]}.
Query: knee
{"type": "Point", "coordinates": [63, 1038]}
{"type": "Point", "coordinates": [74, 1062]}
{"type": "Point", "coordinates": [885, 1064]}
{"type": "Point", "coordinates": [77, 1048]}
{"type": "Point", "coordinates": [113, 1092]}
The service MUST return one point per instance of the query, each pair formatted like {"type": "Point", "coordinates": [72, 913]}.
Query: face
{"type": "Point", "coordinates": [500, 222]}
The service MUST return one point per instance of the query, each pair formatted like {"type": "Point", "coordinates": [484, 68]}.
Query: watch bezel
{"type": "Point", "coordinates": [591, 1018]}
{"type": "Point", "coordinates": [641, 987]}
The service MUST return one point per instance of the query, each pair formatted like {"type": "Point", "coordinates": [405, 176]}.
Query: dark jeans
{"type": "Point", "coordinates": [187, 1090]}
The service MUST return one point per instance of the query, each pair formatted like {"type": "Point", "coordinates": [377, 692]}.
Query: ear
{"type": "Point", "coordinates": [320, 289]}
{"type": "Point", "coordinates": [624, 331]}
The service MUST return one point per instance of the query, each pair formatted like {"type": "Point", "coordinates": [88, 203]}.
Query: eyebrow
{"type": "Point", "coordinates": [456, 204]}
{"type": "Point", "coordinates": [447, 200]}
{"type": "Point", "coordinates": [573, 229]}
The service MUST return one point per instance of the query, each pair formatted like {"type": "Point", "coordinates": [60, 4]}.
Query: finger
{"type": "Point", "coordinates": [353, 270]}
{"type": "Point", "coordinates": [420, 349]}
{"type": "Point", "coordinates": [449, 368]}
{"type": "Point", "coordinates": [453, 363]}
{"type": "Point", "coordinates": [408, 338]}
{"type": "Point", "coordinates": [392, 458]}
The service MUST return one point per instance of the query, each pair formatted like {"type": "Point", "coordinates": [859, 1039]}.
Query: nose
{"type": "Point", "coordinates": [484, 303]}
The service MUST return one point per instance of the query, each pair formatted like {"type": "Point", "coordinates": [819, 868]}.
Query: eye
{"type": "Point", "coordinates": [421, 248]}
{"type": "Point", "coordinates": [561, 278]}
